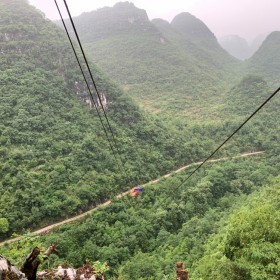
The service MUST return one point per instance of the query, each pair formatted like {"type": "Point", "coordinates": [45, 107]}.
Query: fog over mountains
{"type": "Point", "coordinates": [239, 47]}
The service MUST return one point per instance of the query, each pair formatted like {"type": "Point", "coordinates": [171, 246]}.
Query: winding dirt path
{"type": "Point", "coordinates": [47, 229]}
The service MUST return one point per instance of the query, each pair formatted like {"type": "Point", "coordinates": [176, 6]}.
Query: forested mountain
{"type": "Point", "coordinates": [123, 18]}
{"type": "Point", "coordinates": [195, 30]}
{"type": "Point", "coordinates": [164, 70]}
{"type": "Point", "coordinates": [55, 160]}
{"type": "Point", "coordinates": [266, 61]}
{"type": "Point", "coordinates": [52, 142]}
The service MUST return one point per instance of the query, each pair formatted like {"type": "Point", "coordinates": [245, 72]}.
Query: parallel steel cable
{"type": "Point", "coordinates": [218, 148]}
{"type": "Point", "coordinates": [91, 76]}
{"type": "Point", "coordinates": [87, 84]}
{"type": "Point", "coordinates": [229, 137]}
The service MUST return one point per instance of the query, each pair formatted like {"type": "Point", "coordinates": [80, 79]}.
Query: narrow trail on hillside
{"type": "Point", "coordinates": [47, 229]}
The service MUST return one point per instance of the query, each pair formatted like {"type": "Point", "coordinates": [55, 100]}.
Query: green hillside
{"type": "Point", "coordinates": [246, 246]}
{"type": "Point", "coordinates": [55, 160]}
{"type": "Point", "coordinates": [197, 223]}
{"type": "Point", "coordinates": [194, 30]}
{"type": "Point", "coordinates": [266, 61]}
{"type": "Point", "coordinates": [166, 72]}
{"type": "Point", "coordinates": [248, 94]}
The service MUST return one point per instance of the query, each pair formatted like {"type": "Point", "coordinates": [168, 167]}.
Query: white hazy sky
{"type": "Point", "coordinates": [246, 18]}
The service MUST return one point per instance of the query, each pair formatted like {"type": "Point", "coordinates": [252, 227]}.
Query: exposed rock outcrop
{"type": "Point", "coordinates": [87, 272]}
{"type": "Point", "coordinates": [10, 272]}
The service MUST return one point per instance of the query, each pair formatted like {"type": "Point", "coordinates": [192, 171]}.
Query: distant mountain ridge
{"type": "Point", "coordinates": [144, 56]}
{"type": "Point", "coordinates": [194, 30]}
{"type": "Point", "coordinates": [239, 47]}
{"type": "Point", "coordinates": [196, 39]}
{"type": "Point", "coordinates": [236, 46]}
{"type": "Point", "coordinates": [122, 18]}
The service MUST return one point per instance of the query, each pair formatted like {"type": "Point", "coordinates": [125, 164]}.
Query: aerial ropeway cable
{"type": "Point", "coordinates": [213, 153]}
{"type": "Point", "coordinates": [88, 86]}
{"type": "Point", "coordinates": [229, 137]}
{"type": "Point", "coordinates": [89, 70]}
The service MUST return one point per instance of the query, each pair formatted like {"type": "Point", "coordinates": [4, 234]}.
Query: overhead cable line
{"type": "Point", "coordinates": [229, 137]}
{"type": "Point", "coordinates": [91, 76]}
{"type": "Point", "coordinates": [88, 87]}
{"type": "Point", "coordinates": [87, 84]}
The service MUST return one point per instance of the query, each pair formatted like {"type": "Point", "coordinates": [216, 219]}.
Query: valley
{"type": "Point", "coordinates": [173, 94]}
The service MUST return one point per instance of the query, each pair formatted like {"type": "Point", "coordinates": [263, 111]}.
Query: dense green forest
{"type": "Point", "coordinates": [172, 98]}
{"type": "Point", "coordinates": [52, 143]}
{"type": "Point", "coordinates": [197, 222]}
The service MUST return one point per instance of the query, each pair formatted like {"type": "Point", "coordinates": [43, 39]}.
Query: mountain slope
{"type": "Point", "coordinates": [123, 18]}
{"type": "Point", "coordinates": [163, 75]}
{"type": "Point", "coordinates": [266, 61]}
{"type": "Point", "coordinates": [247, 243]}
{"type": "Point", "coordinates": [55, 159]}
{"type": "Point", "coordinates": [195, 30]}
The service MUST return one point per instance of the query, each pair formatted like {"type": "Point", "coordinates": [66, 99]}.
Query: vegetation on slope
{"type": "Point", "coordinates": [55, 161]}
{"type": "Point", "coordinates": [247, 244]}
{"type": "Point", "coordinates": [165, 72]}
{"type": "Point", "coordinates": [143, 238]}
{"type": "Point", "coordinates": [266, 60]}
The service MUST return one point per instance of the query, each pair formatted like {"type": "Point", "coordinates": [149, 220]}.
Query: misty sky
{"type": "Point", "coordinates": [246, 18]}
